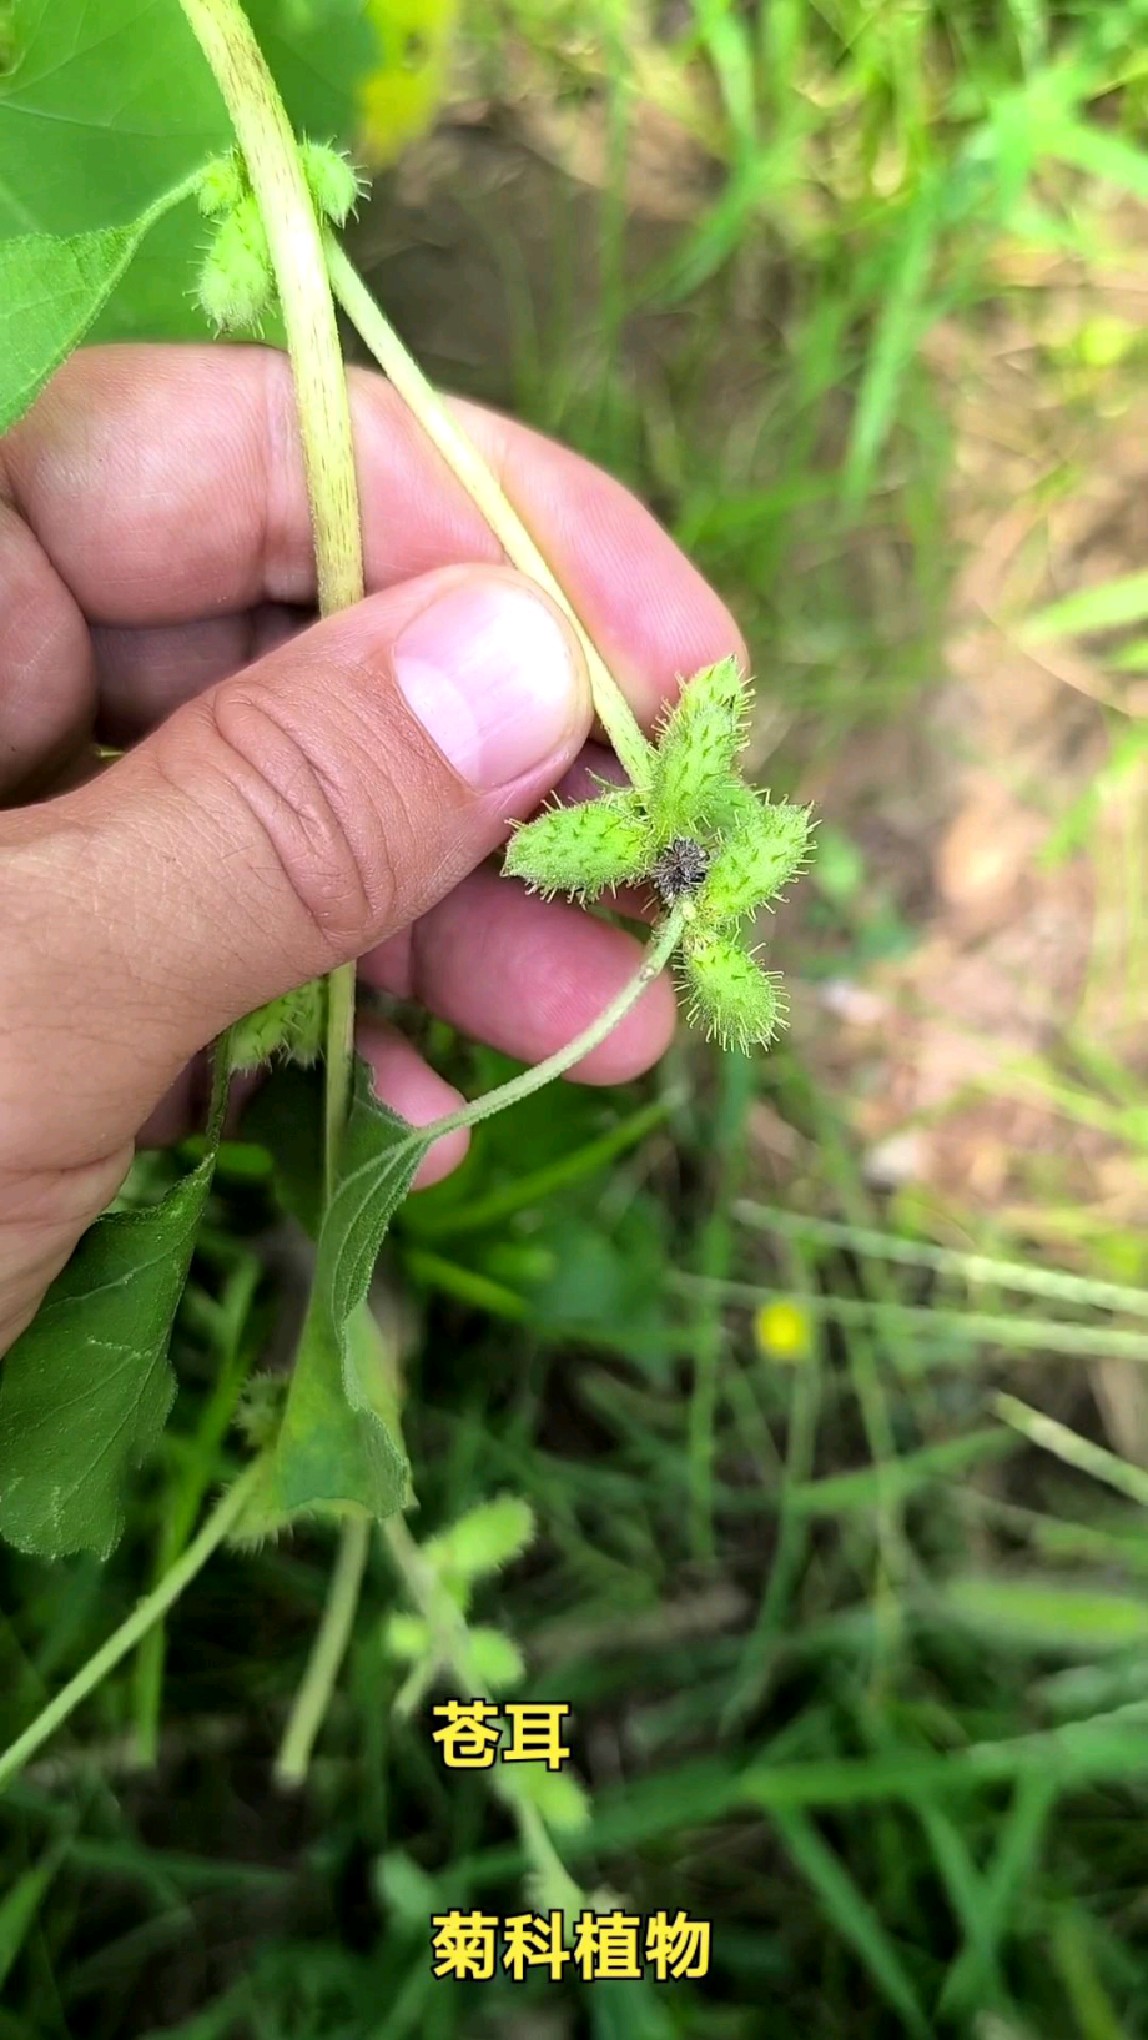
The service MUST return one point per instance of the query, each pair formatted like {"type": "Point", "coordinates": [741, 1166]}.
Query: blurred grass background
{"type": "Point", "coordinates": [823, 1374]}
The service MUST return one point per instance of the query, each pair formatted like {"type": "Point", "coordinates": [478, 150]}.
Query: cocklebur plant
{"type": "Point", "coordinates": [439, 1577]}
{"type": "Point", "coordinates": [709, 844]}
{"type": "Point", "coordinates": [236, 282]}
{"type": "Point", "coordinates": [86, 1390]}
{"type": "Point", "coordinates": [711, 847]}
{"type": "Point", "coordinates": [471, 1549]}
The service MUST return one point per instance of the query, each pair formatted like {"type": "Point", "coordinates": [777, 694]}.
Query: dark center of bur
{"type": "Point", "coordinates": [680, 869]}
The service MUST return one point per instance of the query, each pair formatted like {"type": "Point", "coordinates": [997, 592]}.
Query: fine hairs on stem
{"type": "Point", "coordinates": [478, 478]}
{"type": "Point", "coordinates": [275, 170]}
{"type": "Point", "coordinates": [271, 154]}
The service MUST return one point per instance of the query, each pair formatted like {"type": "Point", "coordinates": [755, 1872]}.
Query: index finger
{"type": "Point", "coordinates": [165, 484]}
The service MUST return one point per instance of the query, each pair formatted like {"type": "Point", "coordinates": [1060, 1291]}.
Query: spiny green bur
{"type": "Point", "coordinates": [758, 854]}
{"type": "Point", "coordinates": [698, 743]}
{"type": "Point", "coordinates": [727, 991]}
{"type": "Point", "coordinates": [481, 1542]}
{"type": "Point", "coordinates": [236, 281]}
{"type": "Point", "coordinates": [497, 1661]}
{"type": "Point", "coordinates": [292, 1027]}
{"type": "Point", "coordinates": [332, 180]}
{"type": "Point", "coordinates": [583, 850]}
{"type": "Point", "coordinates": [703, 835]}
{"type": "Point", "coordinates": [222, 184]}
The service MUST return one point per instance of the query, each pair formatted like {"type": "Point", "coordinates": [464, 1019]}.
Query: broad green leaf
{"type": "Point", "coordinates": [102, 109]}
{"type": "Point", "coordinates": [52, 289]}
{"type": "Point", "coordinates": [85, 1391]}
{"type": "Point", "coordinates": [339, 1445]}
{"type": "Point", "coordinates": [320, 52]}
{"type": "Point", "coordinates": [105, 107]}
{"type": "Point", "coordinates": [286, 1117]}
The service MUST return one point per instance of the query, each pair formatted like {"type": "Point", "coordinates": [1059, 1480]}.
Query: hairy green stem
{"type": "Point", "coordinates": [148, 1611]}
{"type": "Point", "coordinates": [658, 953]}
{"type": "Point", "coordinates": [165, 203]}
{"type": "Point", "coordinates": [482, 485]}
{"type": "Point", "coordinates": [327, 1653]}
{"type": "Point", "coordinates": [299, 261]}
{"type": "Point", "coordinates": [271, 155]}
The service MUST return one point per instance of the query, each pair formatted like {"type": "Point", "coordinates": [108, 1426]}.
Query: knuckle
{"type": "Point", "coordinates": [332, 855]}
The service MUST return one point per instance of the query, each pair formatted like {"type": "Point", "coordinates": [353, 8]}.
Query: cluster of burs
{"type": "Point", "coordinates": [714, 849]}
{"type": "Point", "coordinates": [236, 281]}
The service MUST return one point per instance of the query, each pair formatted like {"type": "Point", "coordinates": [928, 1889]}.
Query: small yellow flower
{"type": "Point", "coordinates": [783, 1330]}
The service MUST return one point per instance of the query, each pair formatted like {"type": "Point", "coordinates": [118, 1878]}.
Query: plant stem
{"type": "Point", "coordinates": [295, 241]}
{"type": "Point", "coordinates": [658, 954]}
{"type": "Point", "coordinates": [337, 1065]}
{"type": "Point", "coordinates": [148, 1611]}
{"type": "Point", "coordinates": [327, 1653]}
{"type": "Point", "coordinates": [452, 1650]}
{"type": "Point", "coordinates": [184, 1497]}
{"type": "Point", "coordinates": [482, 485]}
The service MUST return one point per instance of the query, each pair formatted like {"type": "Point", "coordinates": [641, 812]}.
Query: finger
{"type": "Point", "coordinates": [143, 674]}
{"type": "Point", "coordinates": [47, 689]}
{"type": "Point", "coordinates": [282, 823]}
{"type": "Point", "coordinates": [526, 975]}
{"type": "Point", "coordinates": [417, 1093]}
{"type": "Point", "coordinates": [399, 1075]}
{"type": "Point", "coordinates": [165, 483]}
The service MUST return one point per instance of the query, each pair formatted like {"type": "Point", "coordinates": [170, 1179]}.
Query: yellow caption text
{"type": "Point", "coordinates": [474, 1946]}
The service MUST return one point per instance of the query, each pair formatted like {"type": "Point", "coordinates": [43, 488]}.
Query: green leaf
{"type": "Point", "coordinates": [103, 108]}
{"type": "Point", "coordinates": [51, 291]}
{"type": "Point", "coordinates": [286, 1117]}
{"type": "Point", "coordinates": [339, 1446]}
{"type": "Point", "coordinates": [1112, 605]}
{"type": "Point", "coordinates": [85, 1391]}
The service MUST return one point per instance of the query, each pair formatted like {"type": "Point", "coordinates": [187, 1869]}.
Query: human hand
{"type": "Point", "coordinates": [296, 793]}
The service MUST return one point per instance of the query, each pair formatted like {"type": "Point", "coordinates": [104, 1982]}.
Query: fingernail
{"type": "Point", "coordinates": [488, 671]}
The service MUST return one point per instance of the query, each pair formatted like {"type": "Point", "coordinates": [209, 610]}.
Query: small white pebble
{"type": "Point", "coordinates": [897, 1160]}
{"type": "Point", "coordinates": [855, 1004]}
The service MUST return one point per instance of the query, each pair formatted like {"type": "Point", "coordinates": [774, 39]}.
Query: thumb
{"type": "Point", "coordinates": [277, 825]}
